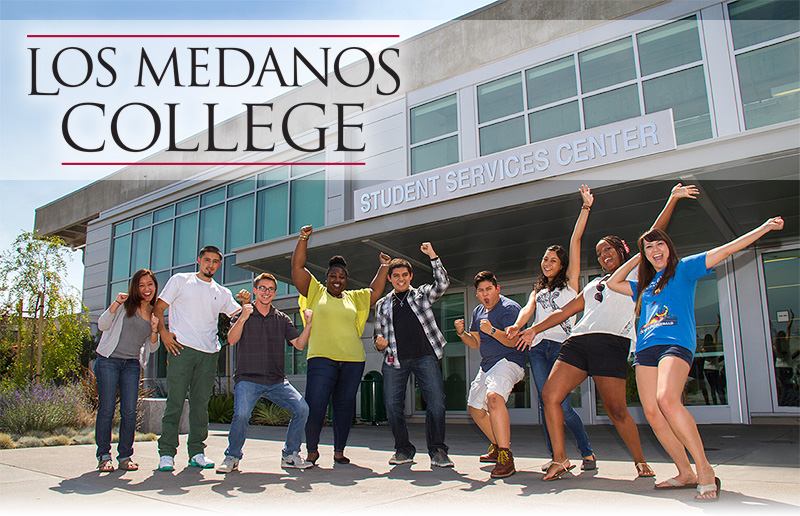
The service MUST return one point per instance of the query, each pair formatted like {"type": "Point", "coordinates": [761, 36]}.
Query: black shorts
{"type": "Point", "coordinates": [650, 357]}
{"type": "Point", "coordinates": [599, 354]}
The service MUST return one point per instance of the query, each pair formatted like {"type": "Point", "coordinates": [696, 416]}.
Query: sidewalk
{"type": "Point", "coordinates": [758, 465]}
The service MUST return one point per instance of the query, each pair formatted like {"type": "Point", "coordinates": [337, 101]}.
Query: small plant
{"type": "Point", "coordinates": [268, 413]}
{"type": "Point", "coordinates": [43, 407]}
{"type": "Point", "coordinates": [6, 442]}
{"type": "Point", "coordinates": [220, 408]}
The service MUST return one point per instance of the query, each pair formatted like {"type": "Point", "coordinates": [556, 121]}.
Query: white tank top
{"type": "Point", "coordinates": [547, 302]}
{"type": "Point", "coordinates": [612, 315]}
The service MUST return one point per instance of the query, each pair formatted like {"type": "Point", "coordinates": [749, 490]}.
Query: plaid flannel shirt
{"type": "Point", "coordinates": [420, 301]}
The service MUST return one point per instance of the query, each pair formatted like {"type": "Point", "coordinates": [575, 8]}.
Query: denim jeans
{"type": "Point", "coordinates": [542, 358]}
{"type": "Point", "coordinates": [245, 396]}
{"type": "Point", "coordinates": [113, 373]}
{"type": "Point", "coordinates": [337, 382]}
{"type": "Point", "coordinates": [429, 377]}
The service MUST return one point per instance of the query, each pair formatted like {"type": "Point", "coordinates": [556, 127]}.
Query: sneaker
{"type": "Point", "coordinates": [166, 463]}
{"type": "Point", "coordinates": [400, 458]}
{"type": "Point", "coordinates": [505, 464]}
{"type": "Point", "coordinates": [491, 455]}
{"type": "Point", "coordinates": [228, 465]}
{"type": "Point", "coordinates": [201, 461]}
{"type": "Point", "coordinates": [441, 460]}
{"type": "Point", "coordinates": [547, 465]}
{"type": "Point", "coordinates": [295, 461]}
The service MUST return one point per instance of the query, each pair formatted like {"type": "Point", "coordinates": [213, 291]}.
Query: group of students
{"type": "Point", "coordinates": [654, 307]}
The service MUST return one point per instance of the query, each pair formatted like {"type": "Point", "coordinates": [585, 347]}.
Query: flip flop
{"type": "Point", "coordinates": [564, 469]}
{"type": "Point", "coordinates": [701, 490]}
{"type": "Point", "coordinates": [671, 483]}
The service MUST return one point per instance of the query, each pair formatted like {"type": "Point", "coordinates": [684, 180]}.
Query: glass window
{"type": "Point", "coordinates": [120, 287]}
{"type": "Point", "coordinates": [500, 98]}
{"type": "Point", "coordinates": [554, 121]}
{"type": "Point", "coordinates": [502, 135]}
{"type": "Point", "coordinates": [233, 274]}
{"type": "Point", "coordinates": [606, 65]}
{"type": "Point", "coordinates": [212, 226]}
{"type": "Point", "coordinates": [307, 204]}
{"type": "Point", "coordinates": [140, 252]}
{"type": "Point", "coordinates": [212, 197]}
{"type": "Point", "coordinates": [434, 155]}
{"type": "Point", "coordinates": [298, 170]}
{"type": "Point", "coordinates": [122, 227]}
{"type": "Point", "coordinates": [240, 187]}
{"type": "Point", "coordinates": [434, 119]}
{"type": "Point", "coordinates": [236, 287]}
{"type": "Point", "coordinates": [185, 243]}
{"type": "Point", "coordinates": [782, 278]}
{"type": "Point", "coordinates": [672, 45]}
{"type": "Point", "coordinates": [551, 82]}
{"type": "Point", "coordinates": [520, 395]}
{"type": "Point", "coordinates": [685, 93]}
{"type": "Point", "coordinates": [144, 220]}
{"type": "Point", "coordinates": [611, 106]}
{"type": "Point", "coordinates": [239, 223]}
{"type": "Point", "coordinates": [162, 278]}
{"type": "Point", "coordinates": [272, 212]}
{"type": "Point", "coordinates": [161, 253]}
{"type": "Point", "coordinates": [186, 206]}
{"type": "Point", "coordinates": [192, 268]}
{"type": "Point", "coordinates": [164, 213]}
{"type": "Point", "coordinates": [758, 21]}
{"type": "Point", "coordinates": [454, 362]}
{"type": "Point", "coordinates": [273, 176]}
{"type": "Point", "coordinates": [706, 384]}
{"type": "Point", "coordinates": [121, 258]}
{"type": "Point", "coordinates": [769, 85]}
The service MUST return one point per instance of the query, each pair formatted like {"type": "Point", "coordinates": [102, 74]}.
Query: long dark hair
{"type": "Point", "coordinates": [619, 246]}
{"type": "Point", "coordinates": [560, 280]}
{"type": "Point", "coordinates": [646, 270]}
{"type": "Point", "coordinates": [134, 299]}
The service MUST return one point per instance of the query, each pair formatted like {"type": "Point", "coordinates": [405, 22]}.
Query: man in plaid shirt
{"type": "Point", "coordinates": [406, 331]}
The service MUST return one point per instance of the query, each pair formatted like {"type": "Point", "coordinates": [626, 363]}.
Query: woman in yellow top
{"type": "Point", "coordinates": [335, 351]}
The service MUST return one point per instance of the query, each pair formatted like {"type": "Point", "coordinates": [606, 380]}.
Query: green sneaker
{"type": "Point", "coordinates": [201, 461]}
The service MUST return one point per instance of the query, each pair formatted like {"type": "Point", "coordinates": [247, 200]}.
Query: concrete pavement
{"type": "Point", "coordinates": [759, 466]}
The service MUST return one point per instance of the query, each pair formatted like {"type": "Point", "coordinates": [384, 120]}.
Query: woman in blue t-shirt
{"type": "Point", "coordinates": [665, 345]}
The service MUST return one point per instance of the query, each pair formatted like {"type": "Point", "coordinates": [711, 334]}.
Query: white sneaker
{"type": "Point", "coordinates": [295, 461]}
{"type": "Point", "coordinates": [166, 463]}
{"type": "Point", "coordinates": [201, 461]}
{"type": "Point", "coordinates": [228, 465]}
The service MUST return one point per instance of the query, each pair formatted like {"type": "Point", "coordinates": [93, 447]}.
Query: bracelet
{"type": "Point", "coordinates": [585, 207]}
{"type": "Point", "coordinates": [303, 237]}
{"type": "Point", "coordinates": [384, 265]}
{"type": "Point", "coordinates": [461, 334]}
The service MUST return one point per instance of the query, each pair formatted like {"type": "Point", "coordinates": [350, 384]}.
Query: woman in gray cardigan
{"type": "Point", "coordinates": [129, 336]}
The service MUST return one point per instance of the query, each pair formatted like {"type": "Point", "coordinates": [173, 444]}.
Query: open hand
{"type": "Point", "coordinates": [512, 331]}
{"type": "Point", "coordinates": [586, 195]}
{"type": "Point", "coordinates": [170, 344]}
{"type": "Point", "coordinates": [689, 191]}
{"type": "Point", "coordinates": [525, 339]}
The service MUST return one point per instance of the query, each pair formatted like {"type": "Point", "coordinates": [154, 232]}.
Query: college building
{"type": "Point", "coordinates": [499, 117]}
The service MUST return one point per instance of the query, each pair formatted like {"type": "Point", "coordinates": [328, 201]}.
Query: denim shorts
{"type": "Point", "coordinates": [650, 357]}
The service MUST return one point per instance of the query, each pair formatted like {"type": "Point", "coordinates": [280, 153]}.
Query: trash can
{"type": "Point", "coordinates": [372, 408]}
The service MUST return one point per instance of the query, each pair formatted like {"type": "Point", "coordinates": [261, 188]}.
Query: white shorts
{"type": "Point", "coordinates": [500, 379]}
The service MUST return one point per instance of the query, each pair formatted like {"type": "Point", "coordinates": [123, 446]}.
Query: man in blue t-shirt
{"type": "Point", "coordinates": [502, 366]}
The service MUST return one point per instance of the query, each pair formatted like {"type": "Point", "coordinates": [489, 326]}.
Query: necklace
{"type": "Point", "coordinates": [400, 301]}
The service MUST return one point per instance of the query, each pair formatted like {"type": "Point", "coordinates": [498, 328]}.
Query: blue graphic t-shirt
{"type": "Point", "coordinates": [503, 315]}
{"type": "Point", "coordinates": [667, 318]}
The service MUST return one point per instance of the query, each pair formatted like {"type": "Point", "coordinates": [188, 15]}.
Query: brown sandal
{"type": "Point", "coordinates": [105, 466]}
{"type": "Point", "coordinates": [644, 470]}
{"type": "Point", "coordinates": [128, 465]}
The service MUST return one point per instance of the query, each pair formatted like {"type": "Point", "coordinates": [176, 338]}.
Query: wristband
{"type": "Point", "coordinates": [585, 207]}
{"type": "Point", "coordinates": [303, 237]}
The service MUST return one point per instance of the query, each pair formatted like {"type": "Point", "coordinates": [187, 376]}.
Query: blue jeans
{"type": "Point", "coordinates": [113, 373]}
{"type": "Point", "coordinates": [429, 377]}
{"type": "Point", "coordinates": [542, 358]}
{"type": "Point", "coordinates": [245, 396]}
{"type": "Point", "coordinates": [337, 382]}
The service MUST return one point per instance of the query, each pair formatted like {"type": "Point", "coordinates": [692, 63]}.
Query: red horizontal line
{"type": "Point", "coordinates": [213, 36]}
{"type": "Point", "coordinates": [257, 163]}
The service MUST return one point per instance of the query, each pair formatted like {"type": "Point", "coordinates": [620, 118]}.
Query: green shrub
{"type": "Point", "coordinates": [28, 441]}
{"type": "Point", "coordinates": [220, 408]}
{"type": "Point", "coordinates": [43, 407]}
{"type": "Point", "coordinates": [267, 413]}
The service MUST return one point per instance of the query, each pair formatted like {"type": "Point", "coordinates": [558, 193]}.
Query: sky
{"type": "Point", "coordinates": [32, 147]}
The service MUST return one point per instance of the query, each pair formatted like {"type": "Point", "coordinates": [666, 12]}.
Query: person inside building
{"type": "Point", "coordinates": [557, 285]}
{"type": "Point", "coordinates": [130, 335]}
{"type": "Point", "coordinates": [502, 366]}
{"type": "Point", "coordinates": [664, 294]}
{"type": "Point", "coordinates": [598, 346]}
{"type": "Point", "coordinates": [335, 352]}
{"type": "Point", "coordinates": [406, 332]}
{"type": "Point", "coordinates": [259, 334]}
{"type": "Point", "coordinates": [195, 301]}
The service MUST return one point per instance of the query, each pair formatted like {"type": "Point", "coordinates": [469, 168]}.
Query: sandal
{"type": "Point", "coordinates": [644, 470]}
{"type": "Point", "coordinates": [716, 488]}
{"type": "Point", "coordinates": [673, 483]}
{"type": "Point", "coordinates": [128, 465]}
{"type": "Point", "coordinates": [565, 466]}
{"type": "Point", "coordinates": [105, 466]}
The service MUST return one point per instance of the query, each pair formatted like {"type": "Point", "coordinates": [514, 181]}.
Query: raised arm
{"type": "Point", "coordinates": [574, 269]}
{"type": "Point", "coordinates": [235, 333]}
{"type": "Point", "coordinates": [301, 341]}
{"type": "Point", "coordinates": [300, 275]}
{"type": "Point", "coordinates": [678, 192]}
{"type": "Point", "coordinates": [378, 283]}
{"type": "Point", "coordinates": [718, 254]}
{"type": "Point", "coordinates": [440, 278]}
{"type": "Point", "coordinates": [617, 281]}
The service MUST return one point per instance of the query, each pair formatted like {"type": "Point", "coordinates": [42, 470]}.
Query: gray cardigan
{"type": "Point", "coordinates": [111, 326]}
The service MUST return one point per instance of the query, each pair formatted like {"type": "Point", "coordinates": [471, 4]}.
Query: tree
{"type": "Point", "coordinates": [33, 282]}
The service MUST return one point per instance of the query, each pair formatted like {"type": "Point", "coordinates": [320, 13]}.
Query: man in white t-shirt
{"type": "Point", "coordinates": [195, 301]}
